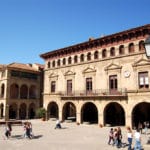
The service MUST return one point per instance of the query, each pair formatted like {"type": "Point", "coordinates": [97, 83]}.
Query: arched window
{"type": "Point", "coordinates": [2, 90]}
{"type": "Point", "coordinates": [14, 91]}
{"type": "Point", "coordinates": [82, 58]}
{"type": "Point", "coordinates": [24, 92]}
{"type": "Point", "coordinates": [69, 60]}
{"type": "Point", "coordinates": [141, 46]}
{"type": "Point", "coordinates": [112, 52]}
{"type": "Point", "coordinates": [131, 48]}
{"type": "Point", "coordinates": [58, 62]}
{"type": "Point", "coordinates": [64, 61]}
{"type": "Point", "coordinates": [96, 55]}
{"type": "Point", "coordinates": [76, 59]}
{"type": "Point", "coordinates": [49, 64]}
{"type": "Point", "coordinates": [104, 53]}
{"type": "Point", "coordinates": [89, 56]}
{"type": "Point", "coordinates": [53, 63]}
{"type": "Point", "coordinates": [32, 92]}
{"type": "Point", "coordinates": [121, 50]}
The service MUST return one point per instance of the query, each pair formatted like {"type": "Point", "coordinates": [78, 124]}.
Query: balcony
{"type": "Point", "coordinates": [94, 93]}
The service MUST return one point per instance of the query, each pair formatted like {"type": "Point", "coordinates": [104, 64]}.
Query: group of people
{"type": "Point", "coordinates": [28, 130]}
{"type": "Point", "coordinates": [145, 125]}
{"type": "Point", "coordinates": [27, 127]}
{"type": "Point", "coordinates": [115, 138]}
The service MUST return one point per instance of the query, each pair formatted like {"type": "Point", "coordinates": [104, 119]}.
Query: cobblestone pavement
{"type": "Point", "coordinates": [70, 137]}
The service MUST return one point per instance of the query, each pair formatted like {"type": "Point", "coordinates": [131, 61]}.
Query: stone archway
{"type": "Point", "coordinates": [89, 113]}
{"type": "Point", "coordinates": [140, 114]}
{"type": "Point", "coordinates": [114, 114]}
{"type": "Point", "coordinates": [69, 111]}
{"type": "Point", "coordinates": [13, 111]}
{"type": "Point", "coordinates": [32, 111]}
{"type": "Point", "coordinates": [52, 110]}
{"type": "Point", "coordinates": [22, 111]}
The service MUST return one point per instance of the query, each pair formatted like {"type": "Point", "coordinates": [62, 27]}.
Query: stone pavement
{"type": "Point", "coordinates": [71, 137]}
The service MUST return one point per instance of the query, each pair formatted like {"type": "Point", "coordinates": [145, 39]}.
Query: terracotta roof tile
{"type": "Point", "coordinates": [21, 66]}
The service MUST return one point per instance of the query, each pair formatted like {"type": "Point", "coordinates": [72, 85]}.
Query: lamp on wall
{"type": "Point", "coordinates": [147, 47]}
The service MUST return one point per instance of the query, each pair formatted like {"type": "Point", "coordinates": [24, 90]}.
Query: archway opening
{"type": "Point", "coordinates": [89, 113]}
{"type": "Point", "coordinates": [69, 111]}
{"type": "Point", "coordinates": [32, 111]}
{"type": "Point", "coordinates": [114, 115]}
{"type": "Point", "coordinates": [140, 114]}
{"type": "Point", "coordinates": [13, 111]}
{"type": "Point", "coordinates": [52, 110]}
{"type": "Point", "coordinates": [22, 112]}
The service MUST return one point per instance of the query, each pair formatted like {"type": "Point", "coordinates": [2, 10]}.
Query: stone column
{"type": "Point", "coordinates": [27, 113]}
{"type": "Point", "coordinates": [78, 117]}
{"type": "Point", "coordinates": [60, 115]}
{"type": "Point", "coordinates": [7, 112]}
{"type": "Point", "coordinates": [101, 119]}
{"type": "Point", "coordinates": [128, 120]}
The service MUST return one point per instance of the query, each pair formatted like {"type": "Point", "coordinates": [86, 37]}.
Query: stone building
{"type": "Point", "coordinates": [20, 90]}
{"type": "Point", "coordinates": [104, 80]}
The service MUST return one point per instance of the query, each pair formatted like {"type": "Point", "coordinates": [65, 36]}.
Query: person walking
{"type": "Point", "coordinates": [8, 130]}
{"type": "Point", "coordinates": [111, 132]}
{"type": "Point", "coordinates": [58, 125]}
{"type": "Point", "coordinates": [119, 138]}
{"type": "Point", "coordinates": [137, 137]}
{"type": "Point", "coordinates": [129, 137]}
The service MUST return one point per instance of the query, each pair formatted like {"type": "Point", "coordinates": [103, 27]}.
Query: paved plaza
{"type": "Point", "coordinates": [70, 137]}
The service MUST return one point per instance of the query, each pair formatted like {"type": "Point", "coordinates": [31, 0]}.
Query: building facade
{"type": "Point", "coordinates": [104, 80]}
{"type": "Point", "coordinates": [20, 90]}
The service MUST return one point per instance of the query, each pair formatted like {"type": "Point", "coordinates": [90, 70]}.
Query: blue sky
{"type": "Point", "coordinates": [29, 28]}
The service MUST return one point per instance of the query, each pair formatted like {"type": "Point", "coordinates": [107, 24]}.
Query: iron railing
{"type": "Point", "coordinates": [98, 92]}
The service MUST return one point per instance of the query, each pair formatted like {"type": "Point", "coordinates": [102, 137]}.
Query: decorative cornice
{"type": "Point", "coordinates": [123, 36]}
{"type": "Point", "coordinates": [113, 66]}
{"type": "Point", "coordinates": [141, 62]}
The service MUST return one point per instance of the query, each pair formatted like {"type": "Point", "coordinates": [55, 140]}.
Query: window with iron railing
{"type": "Point", "coordinates": [69, 86]}
{"type": "Point", "coordinates": [88, 84]}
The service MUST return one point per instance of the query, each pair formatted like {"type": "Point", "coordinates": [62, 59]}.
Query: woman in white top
{"type": "Point", "coordinates": [137, 136]}
{"type": "Point", "coordinates": [130, 137]}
